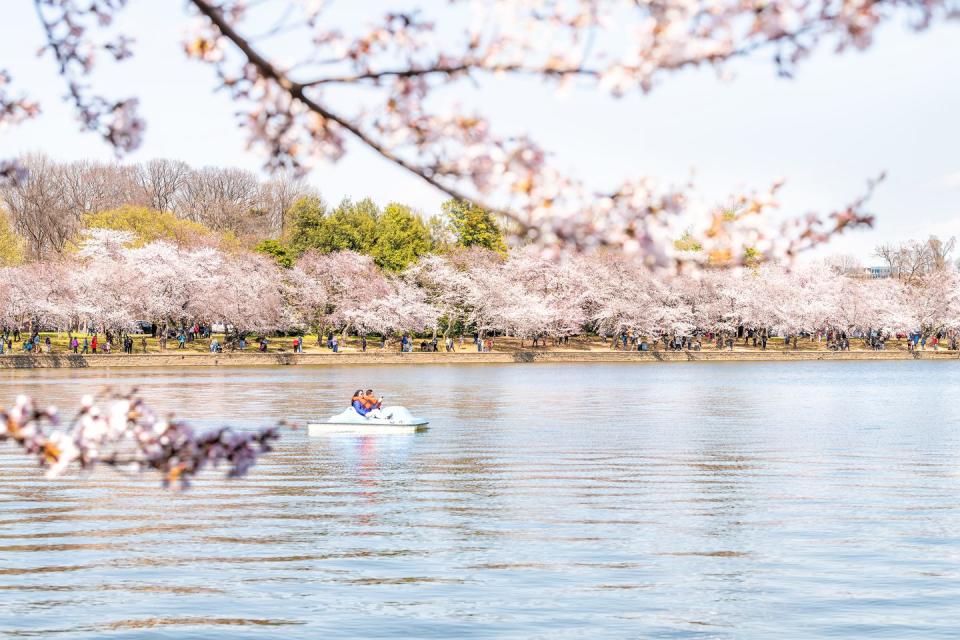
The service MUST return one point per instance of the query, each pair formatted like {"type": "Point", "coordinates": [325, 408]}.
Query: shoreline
{"type": "Point", "coordinates": [121, 360]}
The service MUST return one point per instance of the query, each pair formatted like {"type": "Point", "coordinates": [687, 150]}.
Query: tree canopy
{"type": "Point", "coordinates": [401, 238]}
{"type": "Point", "coordinates": [349, 227]}
{"type": "Point", "coordinates": [282, 254]}
{"type": "Point", "coordinates": [395, 237]}
{"type": "Point", "coordinates": [149, 225]}
{"type": "Point", "coordinates": [11, 245]}
{"type": "Point", "coordinates": [473, 226]}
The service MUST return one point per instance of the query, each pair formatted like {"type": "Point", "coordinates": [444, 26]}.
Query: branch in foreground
{"type": "Point", "coordinates": [127, 434]}
{"type": "Point", "coordinates": [458, 154]}
{"type": "Point", "coordinates": [401, 61]}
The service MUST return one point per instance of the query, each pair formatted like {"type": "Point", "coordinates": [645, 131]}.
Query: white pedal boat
{"type": "Point", "coordinates": [349, 422]}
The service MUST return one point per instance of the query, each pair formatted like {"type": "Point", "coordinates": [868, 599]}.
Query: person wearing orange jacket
{"type": "Point", "coordinates": [359, 403]}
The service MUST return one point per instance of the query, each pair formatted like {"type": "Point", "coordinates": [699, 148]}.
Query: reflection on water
{"type": "Point", "coordinates": [703, 500]}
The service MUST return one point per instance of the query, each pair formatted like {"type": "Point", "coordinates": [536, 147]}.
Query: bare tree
{"type": "Point", "coordinates": [940, 251]}
{"type": "Point", "coordinates": [48, 208]}
{"type": "Point", "coordinates": [161, 181]}
{"type": "Point", "coordinates": [912, 260]}
{"type": "Point", "coordinates": [278, 195]}
{"type": "Point", "coordinates": [224, 200]}
{"type": "Point", "coordinates": [39, 208]}
{"type": "Point", "coordinates": [90, 187]}
{"type": "Point", "coordinates": [845, 265]}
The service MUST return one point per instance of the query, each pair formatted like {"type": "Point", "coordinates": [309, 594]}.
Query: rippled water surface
{"type": "Point", "coordinates": [684, 500]}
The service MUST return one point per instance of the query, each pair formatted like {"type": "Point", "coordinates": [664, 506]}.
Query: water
{"type": "Point", "coordinates": [685, 500]}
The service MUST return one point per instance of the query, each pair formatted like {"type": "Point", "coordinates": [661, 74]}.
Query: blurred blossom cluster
{"type": "Point", "coordinates": [121, 431]}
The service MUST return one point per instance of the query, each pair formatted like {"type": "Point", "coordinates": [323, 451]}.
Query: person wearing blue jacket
{"type": "Point", "coordinates": [358, 404]}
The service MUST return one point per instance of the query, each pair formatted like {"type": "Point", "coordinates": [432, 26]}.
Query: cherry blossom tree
{"type": "Point", "coordinates": [36, 295]}
{"type": "Point", "coordinates": [403, 307]}
{"type": "Point", "coordinates": [931, 304]}
{"type": "Point", "coordinates": [621, 300]}
{"type": "Point", "coordinates": [307, 292]}
{"type": "Point", "coordinates": [562, 286]}
{"type": "Point", "coordinates": [246, 294]}
{"type": "Point", "coordinates": [444, 281]}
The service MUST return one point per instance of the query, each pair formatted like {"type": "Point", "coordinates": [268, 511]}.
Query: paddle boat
{"type": "Point", "coordinates": [395, 419]}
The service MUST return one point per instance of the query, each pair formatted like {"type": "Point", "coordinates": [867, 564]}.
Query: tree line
{"type": "Point", "coordinates": [47, 208]}
{"type": "Point", "coordinates": [49, 211]}
{"type": "Point", "coordinates": [114, 283]}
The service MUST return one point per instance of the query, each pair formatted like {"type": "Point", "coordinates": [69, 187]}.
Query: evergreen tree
{"type": "Point", "coordinates": [473, 226]}
{"type": "Point", "coordinates": [401, 238]}
{"type": "Point", "coordinates": [351, 226]}
{"type": "Point", "coordinates": [284, 255]}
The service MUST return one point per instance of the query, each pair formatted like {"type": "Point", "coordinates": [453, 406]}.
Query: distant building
{"type": "Point", "coordinates": [877, 272]}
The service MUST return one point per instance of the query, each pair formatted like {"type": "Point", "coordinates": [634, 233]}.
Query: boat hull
{"type": "Point", "coordinates": [367, 429]}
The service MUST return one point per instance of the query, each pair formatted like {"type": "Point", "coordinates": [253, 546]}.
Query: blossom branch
{"type": "Point", "coordinates": [65, 26]}
{"type": "Point", "coordinates": [127, 434]}
{"type": "Point", "coordinates": [620, 45]}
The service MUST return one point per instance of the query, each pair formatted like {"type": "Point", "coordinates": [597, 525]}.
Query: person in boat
{"type": "Point", "coordinates": [372, 401]}
{"type": "Point", "coordinates": [373, 404]}
{"type": "Point", "coordinates": [359, 403]}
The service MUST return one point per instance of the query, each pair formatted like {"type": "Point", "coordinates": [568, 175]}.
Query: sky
{"type": "Point", "coordinates": [842, 120]}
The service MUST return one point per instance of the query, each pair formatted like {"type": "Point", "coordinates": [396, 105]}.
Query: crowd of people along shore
{"type": "Point", "coordinates": [759, 339]}
{"type": "Point", "coordinates": [89, 343]}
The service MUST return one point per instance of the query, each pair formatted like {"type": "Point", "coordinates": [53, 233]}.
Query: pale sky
{"type": "Point", "coordinates": [842, 120]}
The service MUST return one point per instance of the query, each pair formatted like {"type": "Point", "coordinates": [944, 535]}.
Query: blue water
{"type": "Point", "coordinates": [546, 501]}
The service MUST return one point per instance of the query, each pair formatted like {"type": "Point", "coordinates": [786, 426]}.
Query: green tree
{"type": "Point", "coordinates": [149, 225]}
{"type": "Point", "coordinates": [401, 238]}
{"type": "Point", "coordinates": [11, 244]}
{"type": "Point", "coordinates": [473, 226]}
{"type": "Point", "coordinates": [306, 221]}
{"type": "Point", "coordinates": [284, 255]}
{"type": "Point", "coordinates": [351, 226]}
